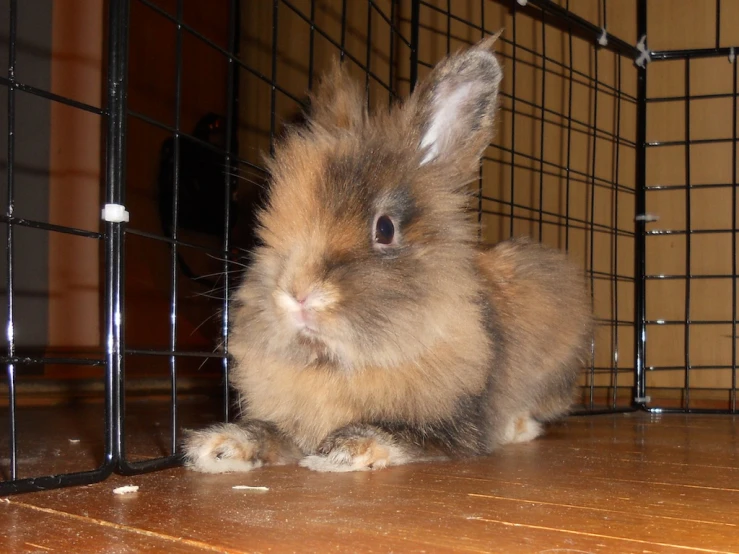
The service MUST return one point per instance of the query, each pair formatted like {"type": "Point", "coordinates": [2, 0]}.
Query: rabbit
{"type": "Point", "coordinates": [372, 330]}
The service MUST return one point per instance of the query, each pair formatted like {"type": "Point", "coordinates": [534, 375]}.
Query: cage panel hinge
{"type": "Point", "coordinates": [115, 213]}
{"type": "Point", "coordinates": [644, 55]}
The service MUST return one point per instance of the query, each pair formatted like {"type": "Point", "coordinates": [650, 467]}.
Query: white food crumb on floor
{"type": "Point", "coordinates": [128, 489]}
{"type": "Point", "coordinates": [249, 488]}
{"type": "Point", "coordinates": [74, 441]}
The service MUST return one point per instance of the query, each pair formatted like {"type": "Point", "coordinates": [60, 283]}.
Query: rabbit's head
{"type": "Point", "coordinates": [367, 245]}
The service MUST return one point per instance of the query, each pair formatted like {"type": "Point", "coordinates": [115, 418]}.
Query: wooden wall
{"type": "Point", "coordinates": [75, 175]}
{"type": "Point", "coordinates": [76, 180]}
{"type": "Point", "coordinates": [152, 93]}
{"type": "Point", "coordinates": [705, 209]}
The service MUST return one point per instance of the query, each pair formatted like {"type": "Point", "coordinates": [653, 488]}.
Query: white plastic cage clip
{"type": "Point", "coordinates": [523, 2]}
{"type": "Point", "coordinates": [115, 213]}
{"type": "Point", "coordinates": [644, 56]}
{"type": "Point", "coordinates": [603, 38]}
{"type": "Point", "coordinates": [732, 55]}
{"type": "Point", "coordinates": [647, 217]}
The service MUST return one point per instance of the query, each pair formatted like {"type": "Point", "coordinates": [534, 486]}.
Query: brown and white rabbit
{"type": "Point", "coordinates": [371, 329]}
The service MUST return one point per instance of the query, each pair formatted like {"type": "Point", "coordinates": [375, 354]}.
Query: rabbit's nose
{"type": "Point", "coordinates": [299, 308]}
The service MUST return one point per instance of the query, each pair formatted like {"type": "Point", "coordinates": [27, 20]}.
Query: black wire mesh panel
{"type": "Point", "coordinates": [562, 166]}
{"type": "Point", "coordinates": [181, 157]}
{"type": "Point", "coordinates": [56, 262]}
{"type": "Point", "coordinates": [691, 253]}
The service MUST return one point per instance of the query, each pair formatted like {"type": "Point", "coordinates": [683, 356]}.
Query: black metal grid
{"type": "Point", "coordinates": [616, 377]}
{"type": "Point", "coordinates": [17, 360]}
{"type": "Point", "coordinates": [713, 373]}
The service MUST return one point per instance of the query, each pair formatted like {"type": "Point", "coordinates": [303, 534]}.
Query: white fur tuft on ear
{"type": "Point", "coordinates": [457, 104]}
{"type": "Point", "coordinates": [446, 111]}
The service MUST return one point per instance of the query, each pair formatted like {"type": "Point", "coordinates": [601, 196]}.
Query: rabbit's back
{"type": "Point", "coordinates": [544, 327]}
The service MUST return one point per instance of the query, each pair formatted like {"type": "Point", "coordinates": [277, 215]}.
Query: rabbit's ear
{"type": "Point", "coordinates": [337, 101]}
{"type": "Point", "coordinates": [455, 106]}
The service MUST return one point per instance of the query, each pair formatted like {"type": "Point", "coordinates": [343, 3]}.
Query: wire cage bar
{"type": "Point", "coordinates": [573, 172]}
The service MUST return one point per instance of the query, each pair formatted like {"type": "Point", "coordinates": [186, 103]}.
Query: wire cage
{"type": "Point", "coordinates": [178, 100]}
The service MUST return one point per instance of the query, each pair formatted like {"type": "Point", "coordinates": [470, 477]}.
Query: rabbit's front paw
{"type": "Point", "coordinates": [221, 449]}
{"type": "Point", "coordinates": [356, 448]}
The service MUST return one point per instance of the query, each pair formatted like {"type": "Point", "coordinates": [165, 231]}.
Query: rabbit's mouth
{"type": "Point", "coordinates": [303, 312]}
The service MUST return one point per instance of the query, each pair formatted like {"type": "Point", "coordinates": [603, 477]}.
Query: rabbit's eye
{"type": "Point", "coordinates": [384, 230]}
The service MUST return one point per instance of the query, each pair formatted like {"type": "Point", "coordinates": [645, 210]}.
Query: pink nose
{"type": "Point", "coordinates": [302, 314]}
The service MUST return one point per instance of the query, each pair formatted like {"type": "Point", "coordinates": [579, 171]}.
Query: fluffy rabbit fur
{"type": "Point", "coordinates": [352, 354]}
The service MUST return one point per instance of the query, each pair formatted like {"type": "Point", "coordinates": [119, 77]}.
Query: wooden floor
{"type": "Point", "coordinates": [622, 483]}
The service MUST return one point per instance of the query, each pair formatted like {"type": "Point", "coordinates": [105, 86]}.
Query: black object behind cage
{"type": "Point", "coordinates": [404, 23]}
